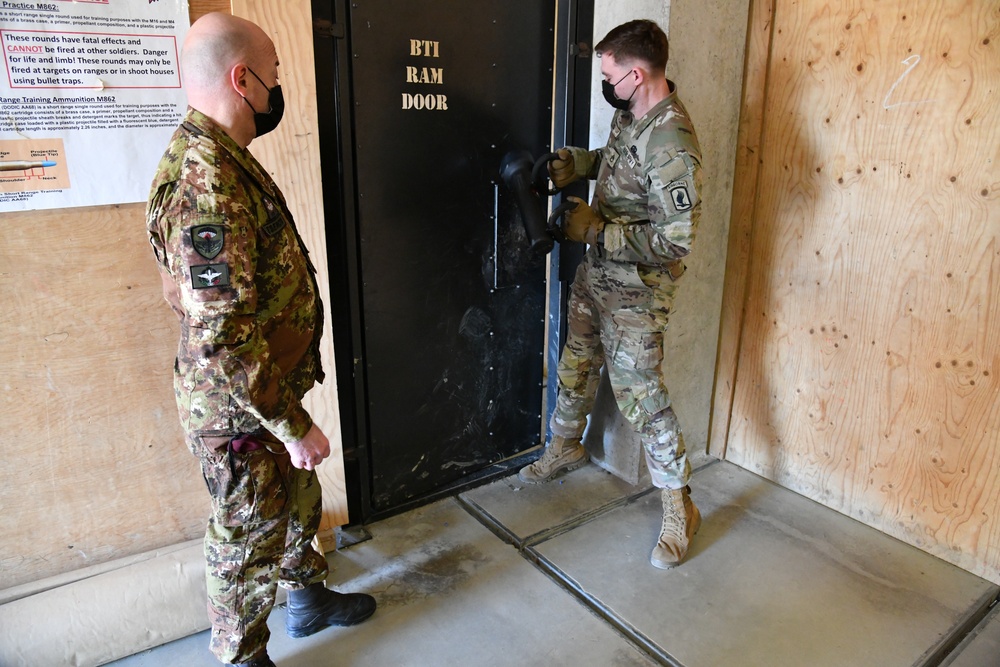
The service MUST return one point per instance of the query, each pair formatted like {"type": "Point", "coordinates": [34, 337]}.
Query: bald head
{"type": "Point", "coordinates": [221, 54]}
{"type": "Point", "coordinates": [217, 42]}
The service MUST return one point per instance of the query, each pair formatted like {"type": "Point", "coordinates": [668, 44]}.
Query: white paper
{"type": "Point", "coordinates": [90, 93]}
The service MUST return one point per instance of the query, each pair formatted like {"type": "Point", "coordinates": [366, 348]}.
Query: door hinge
{"type": "Point", "coordinates": [325, 28]}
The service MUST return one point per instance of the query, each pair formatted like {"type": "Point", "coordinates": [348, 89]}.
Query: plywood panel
{"type": "Point", "coordinates": [291, 156]}
{"type": "Point", "coordinates": [867, 374]}
{"type": "Point", "coordinates": [94, 466]}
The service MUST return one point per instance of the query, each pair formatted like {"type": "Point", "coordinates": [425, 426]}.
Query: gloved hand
{"type": "Point", "coordinates": [562, 170]}
{"type": "Point", "coordinates": [582, 223]}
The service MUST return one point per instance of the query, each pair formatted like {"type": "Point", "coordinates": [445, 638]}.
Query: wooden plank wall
{"type": "Point", "coordinates": [866, 375]}
{"type": "Point", "coordinates": [94, 463]}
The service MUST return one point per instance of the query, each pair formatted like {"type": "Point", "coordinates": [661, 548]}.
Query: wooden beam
{"type": "Point", "coordinates": [745, 194]}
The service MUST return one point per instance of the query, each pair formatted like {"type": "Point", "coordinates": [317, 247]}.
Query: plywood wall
{"type": "Point", "coordinates": [94, 466]}
{"type": "Point", "coordinates": [862, 323]}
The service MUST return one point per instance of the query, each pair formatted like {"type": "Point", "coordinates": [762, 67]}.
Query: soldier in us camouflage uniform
{"type": "Point", "coordinates": [640, 226]}
{"type": "Point", "coordinates": [238, 276]}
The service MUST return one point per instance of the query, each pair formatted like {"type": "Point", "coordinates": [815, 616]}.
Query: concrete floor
{"type": "Point", "coordinates": [558, 574]}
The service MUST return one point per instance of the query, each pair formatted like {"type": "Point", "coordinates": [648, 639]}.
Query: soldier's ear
{"type": "Point", "coordinates": [238, 79]}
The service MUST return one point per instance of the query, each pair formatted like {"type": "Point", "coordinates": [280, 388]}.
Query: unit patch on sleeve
{"type": "Point", "coordinates": [209, 275]}
{"type": "Point", "coordinates": [680, 197]}
{"type": "Point", "coordinates": [208, 240]}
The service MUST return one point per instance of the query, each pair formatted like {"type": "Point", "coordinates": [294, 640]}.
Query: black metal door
{"type": "Point", "coordinates": [451, 300]}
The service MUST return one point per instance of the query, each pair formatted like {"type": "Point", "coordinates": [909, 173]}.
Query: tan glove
{"type": "Point", "coordinates": [582, 223]}
{"type": "Point", "coordinates": [562, 170]}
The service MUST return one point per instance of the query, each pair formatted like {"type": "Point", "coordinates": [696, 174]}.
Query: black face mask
{"type": "Point", "coordinates": [608, 89]}
{"type": "Point", "coordinates": [268, 120]}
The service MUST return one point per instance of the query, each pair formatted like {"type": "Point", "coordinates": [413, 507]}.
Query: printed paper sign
{"type": "Point", "coordinates": [90, 92]}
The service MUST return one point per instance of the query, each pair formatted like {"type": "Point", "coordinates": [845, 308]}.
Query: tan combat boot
{"type": "Point", "coordinates": [562, 455]}
{"type": "Point", "coordinates": [681, 520]}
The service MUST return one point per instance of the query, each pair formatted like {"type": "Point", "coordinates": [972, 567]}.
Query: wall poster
{"type": "Point", "coordinates": [90, 92]}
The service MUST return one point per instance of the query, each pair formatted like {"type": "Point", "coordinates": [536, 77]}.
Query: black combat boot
{"type": "Point", "coordinates": [316, 607]}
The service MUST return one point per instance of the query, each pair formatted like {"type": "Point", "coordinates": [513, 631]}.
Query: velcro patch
{"type": "Point", "coordinates": [209, 275]}
{"type": "Point", "coordinates": [275, 220]}
{"type": "Point", "coordinates": [681, 198]}
{"type": "Point", "coordinates": [673, 170]}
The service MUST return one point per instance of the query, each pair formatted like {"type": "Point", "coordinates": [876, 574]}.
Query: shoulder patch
{"type": "Point", "coordinates": [208, 240]}
{"type": "Point", "coordinates": [681, 198]}
{"type": "Point", "coordinates": [209, 275]}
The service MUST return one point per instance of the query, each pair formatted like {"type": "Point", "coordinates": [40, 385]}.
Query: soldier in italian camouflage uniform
{"type": "Point", "coordinates": [239, 278]}
{"type": "Point", "coordinates": [640, 226]}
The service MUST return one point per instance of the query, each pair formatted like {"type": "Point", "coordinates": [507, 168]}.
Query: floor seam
{"type": "Point", "coordinates": [945, 648]}
{"type": "Point", "coordinates": [581, 519]}
{"type": "Point", "coordinates": [508, 536]}
{"type": "Point", "coordinates": [491, 523]}
{"type": "Point", "coordinates": [626, 630]}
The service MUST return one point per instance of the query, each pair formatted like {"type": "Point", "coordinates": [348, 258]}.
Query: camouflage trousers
{"type": "Point", "coordinates": [265, 513]}
{"type": "Point", "coordinates": [617, 316]}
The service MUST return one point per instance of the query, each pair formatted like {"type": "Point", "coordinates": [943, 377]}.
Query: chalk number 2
{"type": "Point", "coordinates": [912, 61]}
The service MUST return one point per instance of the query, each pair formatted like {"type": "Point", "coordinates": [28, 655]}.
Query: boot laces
{"type": "Point", "coordinates": [672, 530]}
{"type": "Point", "coordinates": [548, 459]}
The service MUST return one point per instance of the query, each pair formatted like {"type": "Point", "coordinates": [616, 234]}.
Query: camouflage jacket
{"type": "Point", "coordinates": [648, 182]}
{"type": "Point", "coordinates": [238, 276]}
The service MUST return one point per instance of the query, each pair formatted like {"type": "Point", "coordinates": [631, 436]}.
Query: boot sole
{"type": "Point", "coordinates": [313, 628]}
{"type": "Point", "coordinates": [661, 565]}
{"type": "Point", "coordinates": [557, 473]}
